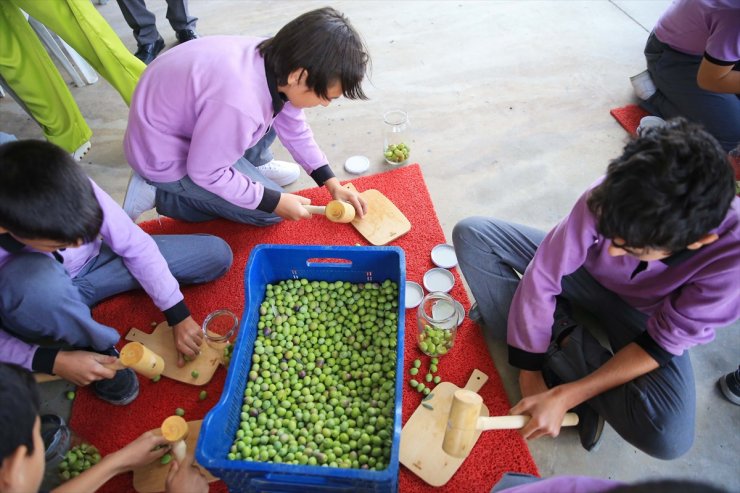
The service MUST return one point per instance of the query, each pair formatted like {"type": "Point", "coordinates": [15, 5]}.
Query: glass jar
{"type": "Point", "coordinates": [437, 320]}
{"type": "Point", "coordinates": [220, 329]}
{"type": "Point", "coordinates": [396, 139]}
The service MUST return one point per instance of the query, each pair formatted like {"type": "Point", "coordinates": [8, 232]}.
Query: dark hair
{"type": "Point", "coordinates": [669, 188]}
{"type": "Point", "coordinates": [323, 43]}
{"type": "Point", "coordinates": [668, 486]}
{"type": "Point", "coordinates": [45, 194]}
{"type": "Point", "coordinates": [20, 397]}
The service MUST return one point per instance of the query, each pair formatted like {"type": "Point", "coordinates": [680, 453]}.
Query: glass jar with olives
{"type": "Point", "coordinates": [396, 148]}
{"type": "Point", "coordinates": [437, 321]}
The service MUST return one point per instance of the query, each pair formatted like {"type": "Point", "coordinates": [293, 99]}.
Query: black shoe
{"type": "Point", "coordinates": [149, 51]}
{"type": "Point", "coordinates": [474, 314]}
{"type": "Point", "coordinates": [119, 390]}
{"type": "Point", "coordinates": [730, 386]}
{"type": "Point", "coordinates": [590, 426]}
{"type": "Point", "coordinates": [184, 35]}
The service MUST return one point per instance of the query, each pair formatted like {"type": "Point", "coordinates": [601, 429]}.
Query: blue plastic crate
{"type": "Point", "coordinates": [272, 263]}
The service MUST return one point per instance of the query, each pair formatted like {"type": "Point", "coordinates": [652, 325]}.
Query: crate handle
{"type": "Point", "coordinates": [291, 480]}
{"type": "Point", "coordinates": [329, 262]}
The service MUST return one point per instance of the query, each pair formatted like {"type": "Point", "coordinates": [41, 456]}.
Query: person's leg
{"type": "Point", "coordinates": [141, 21]}
{"type": "Point", "coordinates": [80, 25]}
{"type": "Point", "coordinates": [654, 412]}
{"type": "Point", "coordinates": [678, 94]}
{"type": "Point", "coordinates": [490, 253]}
{"type": "Point", "coordinates": [29, 72]}
{"type": "Point", "coordinates": [39, 302]}
{"type": "Point", "coordinates": [192, 259]}
{"type": "Point", "coordinates": [177, 14]}
{"type": "Point", "coordinates": [186, 201]}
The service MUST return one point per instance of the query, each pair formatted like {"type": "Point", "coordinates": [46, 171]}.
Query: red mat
{"type": "Point", "coordinates": [629, 117]}
{"type": "Point", "coordinates": [109, 427]}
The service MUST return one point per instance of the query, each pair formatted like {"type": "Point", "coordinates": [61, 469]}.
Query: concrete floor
{"type": "Point", "coordinates": [509, 102]}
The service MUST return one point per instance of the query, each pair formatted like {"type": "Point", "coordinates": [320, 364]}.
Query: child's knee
{"type": "Point", "coordinates": [32, 274]}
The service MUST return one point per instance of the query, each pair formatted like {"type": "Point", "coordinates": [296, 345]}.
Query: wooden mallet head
{"type": "Point", "coordinates": [335, 211]}
{"type": "Point", "coordinates": [462, 424]}
{"type": "Point", "coordinates": [175, 430]}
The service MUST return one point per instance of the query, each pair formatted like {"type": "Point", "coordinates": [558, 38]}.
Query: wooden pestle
{"type": "Point", "coordinates": [175, 430]}
{"type": "Point", "coordinates": [139, 358]}
{"type": "Point", "coordinates": [335, 211]}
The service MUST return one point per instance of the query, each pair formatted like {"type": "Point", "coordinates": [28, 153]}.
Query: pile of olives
{"type": "Point", "coordinates": [321, 388]}
{"type": "Point", "coordinates": [397, 153]}
{"type": "Point", "coordinates": [77, 460]}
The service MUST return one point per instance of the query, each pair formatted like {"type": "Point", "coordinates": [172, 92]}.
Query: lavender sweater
{"type": "Point", "coordinates": [140, 255]}
{"type": "Point", "coordinates": [200, 105]}
{"type": "Point", "coordinates": [685, 299]}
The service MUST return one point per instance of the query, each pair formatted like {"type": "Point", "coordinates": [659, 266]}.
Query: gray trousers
{"type": "Point", "coordinates": [41, 303]}
{"type": "Point", "coordinates": [144, 23]}
{"type": "Point", "coordinates": [654, 412]}
{"type": "Point", "coordinates": [678, 94]}
{"type": "Point", "coordinates": [186, 201]}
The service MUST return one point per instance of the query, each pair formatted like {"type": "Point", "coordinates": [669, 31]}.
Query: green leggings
{"type": "Point", "coordinates": [31, 74]}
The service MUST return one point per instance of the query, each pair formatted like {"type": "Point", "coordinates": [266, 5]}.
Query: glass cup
{"type": "Point", "coordinates": [437, 321]}
{"type": "Point", "coordinates": [396, 139]}
{"type": "Point", "coordinates": [219, 327]}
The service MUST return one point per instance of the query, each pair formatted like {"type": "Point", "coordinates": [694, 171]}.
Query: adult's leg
{"type": "Point", "coordinates": [29, 72]}
{"type": "Point", "coordinates": [490, 253]}
{"type": "Point", "coordinates": [177, 14]}
{"type": "Point", "coordinates": [192, 259]}
{"type": "Point", "coordinates": [39, 302]}
{"type": "Point", "coordinates": [80, 25]}
{"type": "Point", "coordinates": [654, 412]}
{"type": "Point", "coordinates": [141, 21]}
{"type": "Point", "coordinates": [678, 94]}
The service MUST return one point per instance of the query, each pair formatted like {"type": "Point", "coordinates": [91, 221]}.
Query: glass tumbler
{"type": "Point", "coordinates": [219, 329]}
{"type": "Point", "coordinates": [396, 148]}
{"type": "Point", "coordinates": [437, 320]}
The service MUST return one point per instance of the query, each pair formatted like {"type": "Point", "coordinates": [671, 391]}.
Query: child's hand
{"type": "Point", "coordinates": [338, 192]}
{"type": "Point", "coordinates": [291, 207]}
{"type": "Point", "coordinates": [188, 338]}
{"type": "Point", "coordinates": [186, 477]}
{"type": "Point", "coordinates": [142, 451]}
{"type": "Point", "coordinates": [83, 367]}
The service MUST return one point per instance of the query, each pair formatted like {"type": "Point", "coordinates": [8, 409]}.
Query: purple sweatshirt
{"type": "Point", "coordinates": [566, 484]}
{"type": "Point", "coordinates": [140, 255]}
{"type": "Point", "coordinates": [709, 28]}
{"type": "Point", "coordinates": [686, 296]}
{"type": "Point", "coordinates": [200, 105]}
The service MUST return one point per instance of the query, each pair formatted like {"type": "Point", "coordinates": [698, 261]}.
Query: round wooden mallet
{"type": "Point", "coordinates": [465, 420]}
{"type": "Point", "coordinates": [139, 358]}
{"type": "Point", "coordinates": [175, 430]}
{"type": "Point", "coordinates": [335, 211]}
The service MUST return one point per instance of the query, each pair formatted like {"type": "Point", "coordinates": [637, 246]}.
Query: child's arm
{"type": "Point", "coordinates": [548, 408]}
{"type": "Point", "coordinates": [138, 453]}
{"type": "Point", "coordinates": [718, 78]}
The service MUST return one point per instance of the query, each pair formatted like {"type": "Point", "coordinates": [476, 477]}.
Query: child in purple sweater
{"type": "Point", "coordinates": [652, 250]}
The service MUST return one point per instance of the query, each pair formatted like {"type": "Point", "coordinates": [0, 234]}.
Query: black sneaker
{"type": "Point", "coordinates": [148, 52]}
{"type": "Point", "coordinates": [730, 386]}
{"type": "Point", "coordinates": [590, 426]}
{"type": "Point", "coordinates": [185, 35]}
{"type": "Point", "coordinates": [119, 390]}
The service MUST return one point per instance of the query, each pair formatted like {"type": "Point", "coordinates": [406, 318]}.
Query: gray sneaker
{"type": "Point", "coordinates": [119, 390]}
{"type": "Point", "coordinates": [140, 196]}
{"type": "Point", "coordinates": [730, 386]}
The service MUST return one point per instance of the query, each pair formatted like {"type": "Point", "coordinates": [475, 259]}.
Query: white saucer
{"type": "Point", "coordinates": [414, 294]}
{"type": "Point", "coordinates": [443, 255]}
{"type": "Point", "coordinates": [357, 164]}
{"type": "Point", "coordinates": [438, 280]}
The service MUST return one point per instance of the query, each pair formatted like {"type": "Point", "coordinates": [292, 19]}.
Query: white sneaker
{"type": "Point", "coordinates": [281, 172]}
{"type": "Point", "coordinates": [647, 122]}
{"type": "Point", "coordinates": [81, 151]}
{"type": "Point", "coordinates": [140, 196]}
{"type": "Point", "coordinates": [643, 85]}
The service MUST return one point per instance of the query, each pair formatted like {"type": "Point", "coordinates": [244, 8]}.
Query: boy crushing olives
{"type": "Point", "coordinates": [66, 245]}
{"type": "Point", "coordinates": [652, 250]}
{"type": "Point", "coordinates": [204, 115]}
{"type": "Point", "coordinates": [22, 448]}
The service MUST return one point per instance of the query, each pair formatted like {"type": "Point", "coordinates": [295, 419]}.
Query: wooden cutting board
{"type": "Point", "coordinates": [422, 435]}
{"type": "Point", "coordinates": [161, 342]}
{"type": "Point", "coordinates": [151, 478]}
{"type": "Point", "coordinates": [384, 222]}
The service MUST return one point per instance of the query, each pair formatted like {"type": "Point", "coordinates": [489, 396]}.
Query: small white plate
{"type": "Point", "coordinates": [414, 294]}
{"type": "Point", "coordinates": [357, 165]}
{"type": "Point", "coordinates": [438, 280]}
{"type": "Point", "coordinates": [443, 255]}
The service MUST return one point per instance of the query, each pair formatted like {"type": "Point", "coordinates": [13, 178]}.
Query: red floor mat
{"type": "Point", "coordinates": [109, 427]}
{"type": "Point", "coordinates": [629, 117]}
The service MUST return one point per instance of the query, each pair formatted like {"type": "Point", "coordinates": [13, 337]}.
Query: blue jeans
{"type": "Point", "coordinates": [41, 303]}
{"type": "Point", "coordinates": [186, 201]}
{"type": "Point", "coordinates": [654, 412]}
{"type": "Point", "coordinates": [678, 94]}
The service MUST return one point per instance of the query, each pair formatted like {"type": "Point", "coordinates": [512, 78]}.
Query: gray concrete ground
{"type": "Point", "coordinates": [509, 102]}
